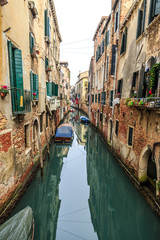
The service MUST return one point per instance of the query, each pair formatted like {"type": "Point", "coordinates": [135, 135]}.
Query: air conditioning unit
{"type": "Point", "coordinates": [3, 2]}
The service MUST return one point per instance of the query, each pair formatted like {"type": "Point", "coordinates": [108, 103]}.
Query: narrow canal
{"type": "Point", "coordinates": [84, 194]}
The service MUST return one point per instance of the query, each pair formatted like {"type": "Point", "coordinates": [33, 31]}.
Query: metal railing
{"type": "Point", "coordinates": [150, 102]}
{"type": "Point", "coordinates": [21, 101]}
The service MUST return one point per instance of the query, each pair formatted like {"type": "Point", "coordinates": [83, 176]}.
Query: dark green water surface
{"type": "Point", "coordinates": [84, 194]}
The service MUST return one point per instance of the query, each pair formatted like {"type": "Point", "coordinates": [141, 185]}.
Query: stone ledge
{"type": "Point", "coordinates": [5, 131]}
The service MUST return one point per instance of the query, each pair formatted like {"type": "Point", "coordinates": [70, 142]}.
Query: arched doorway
{"type": "Point", "coordinates": [147, 165]}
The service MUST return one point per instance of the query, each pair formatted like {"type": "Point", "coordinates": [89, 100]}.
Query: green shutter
{"type": "Point", "coordinates": [122, 44]}
{"type": "Point", "coordinates": [37, 86]}
{"type": "Point", "coordinates": [46, 62]}
{"type": "Point", "coordinates": [53, 89]}
{"type": "Point", "coordinates": [139, 23]}
{"type": "Point", "coordinates": [56, 90]}
{"type": "Point", "coordinates": [157, 8]}
{"type": "Point", "coordinates": [113, 65]}
{"type": "Point", "coordinates": [11, 70]}
{"type": "Point", "coordinates": [144, 15]}
{"type": "Point", "coordinates": [48, 28]}
{"type": "Point", "coordinates": [125, 39]}
{"type": "Point", "coordinates": [141, 83]}
{"type": "Point", "coordinates": [31, 83]}
{"type": "Point", "coordinates": [46, 22]}
{"type": "Point", "coordinates": [49, 89]}
{"type": "Point", "coordinates": [151, 11]}
{"type": "Point", "coordinates": [30, 40]}
{"type": "Point", "coordinates": [18, 77]}
{"type": "Point", "coordinates": [107, 38]}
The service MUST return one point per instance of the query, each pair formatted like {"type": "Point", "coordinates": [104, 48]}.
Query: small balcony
{"type": "Point", "coordinates": [150, 103]}
{"type": "Point", "coordinates": [21, 101]}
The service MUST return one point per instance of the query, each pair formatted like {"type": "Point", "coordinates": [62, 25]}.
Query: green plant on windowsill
{"type": "Point", "coordinates": [130, 103]}
{"type": "Point", "coordinates": [127, 100]}
{"type": "Point", "coordinates": [4, 91]}
{"type": "Point", "coordinates": [34, 96]}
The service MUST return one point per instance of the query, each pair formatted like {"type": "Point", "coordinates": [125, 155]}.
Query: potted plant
{"type": "Point", "coordinates": [4, 91]}
{"type": "Point", "coordinates": [34, 96]}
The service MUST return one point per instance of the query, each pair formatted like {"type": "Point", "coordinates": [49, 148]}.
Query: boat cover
{"type": "Point", "coordinates": [64, 131]}
{"type": "Point", "coordinates": [20, 226]}
{"type": "Point", "coordinates": [83, 118]}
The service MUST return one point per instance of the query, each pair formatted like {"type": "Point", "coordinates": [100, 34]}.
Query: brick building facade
{"type": "Point", "coordinates": [126, 108]}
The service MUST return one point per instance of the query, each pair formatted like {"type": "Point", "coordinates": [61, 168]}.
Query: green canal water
{"type": "Point", "coordinates": [84, 194]}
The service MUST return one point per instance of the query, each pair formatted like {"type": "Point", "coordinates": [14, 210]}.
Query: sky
{"type": "Point", "coordinates": [78, 21]}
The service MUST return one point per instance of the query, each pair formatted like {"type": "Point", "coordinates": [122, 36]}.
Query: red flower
{"type": "Point", "coordinates": [150, 92]}
{"type": "Point", "coordinates": [4, 87]}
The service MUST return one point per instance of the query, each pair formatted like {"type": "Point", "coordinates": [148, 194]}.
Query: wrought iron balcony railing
{"type": "Point", "coordinates": [150, 102]}
{"type": "Point", "coordinates": [21, 101]}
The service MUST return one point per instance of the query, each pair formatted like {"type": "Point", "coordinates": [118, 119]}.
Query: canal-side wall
{"type": "Point", "coordinates": [133, 159]}
{"type": "Point", "coordinates": [147, 193]}
{"type": "Point", "coordinates": [18, 174]}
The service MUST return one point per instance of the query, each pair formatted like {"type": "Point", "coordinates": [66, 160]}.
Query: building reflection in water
{"type": "Point", "coordinates": [43, 195]}
{"type": "Point", "coordinates": [118, 211]}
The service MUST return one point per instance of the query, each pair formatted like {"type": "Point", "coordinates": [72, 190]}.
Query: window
{"type": "Point", "coordinates": [154, 10]}
{"type": "Point", "coordinates": [102, 47]}
{"type": "Point", "coordinates": [124, 41]}
{"type": "Point", "coordinates": [111, 98]}
{"type": "Point", "coordinates": [134, 83]}
{"type": "Point", "coordinates": [113, 64]}
{"type": "Point", "coordinates": [116, 21]}
{"type": "Point", "coordinates": [99, 97]}
{"type": "Point", "coordinates": [27, 136]}
{"type": "Point", "coordinates": [96, 98]}
{"type": "Point", "coordinates": [103, 98]}
{"type": "Point", "coordinates": [47, 29]}
{"type": "Point", "coordinates": [98, 53]}
{"type": "Point", "coordinates": [119, 88]}
{"type": "Point", "coordinates": [46, 63]}
{"type": "Point", "coordinates": [32, 44]}
{"type": "Point", "coordinates": [41, 122]}
{"type": "Point", "coordinates": [101, 117]}
{"type": "Point", "coordinates": [116, 128]}
{"type": "Point", "coordinates": [46, 120]}
{"type": "Point", "coordinates": [34, 82]}
{"type": "Point", "coordinates": [130, 136]}
{"type": "Point", "coordinates": [107, 38]}
{"type": "Point", "coordinates": [141, 19]}
{"type": "Point", "coordinates": [107, 67]}
{"type": "Point", "coordinates": [16, 77]}
{"type": "Point", "coordinates": [92, 98]}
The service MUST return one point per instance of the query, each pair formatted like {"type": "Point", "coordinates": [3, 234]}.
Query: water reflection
{"type": "Point", "coordinates": [117, 209]}
{"type": "Point", "coordinates": [84, 194]}
{"type": "Point", "coordinates": [43, 195]}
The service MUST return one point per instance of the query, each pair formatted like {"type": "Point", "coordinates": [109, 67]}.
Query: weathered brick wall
{"type": "Point", "coordinates": [3, 121]}
{"type": "Point", "coordinates": [153, 38]}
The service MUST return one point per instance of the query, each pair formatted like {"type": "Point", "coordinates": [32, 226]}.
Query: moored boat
{"type": "Point", "coordinates": [64, 133]}
{"type": "Point", "coordinates": [20, 226]}
{"type": "Point", "coordinates": [84, 119]}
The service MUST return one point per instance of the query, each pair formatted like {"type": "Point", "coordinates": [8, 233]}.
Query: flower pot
{"type": "Point", "coordinates": [3, 94]}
